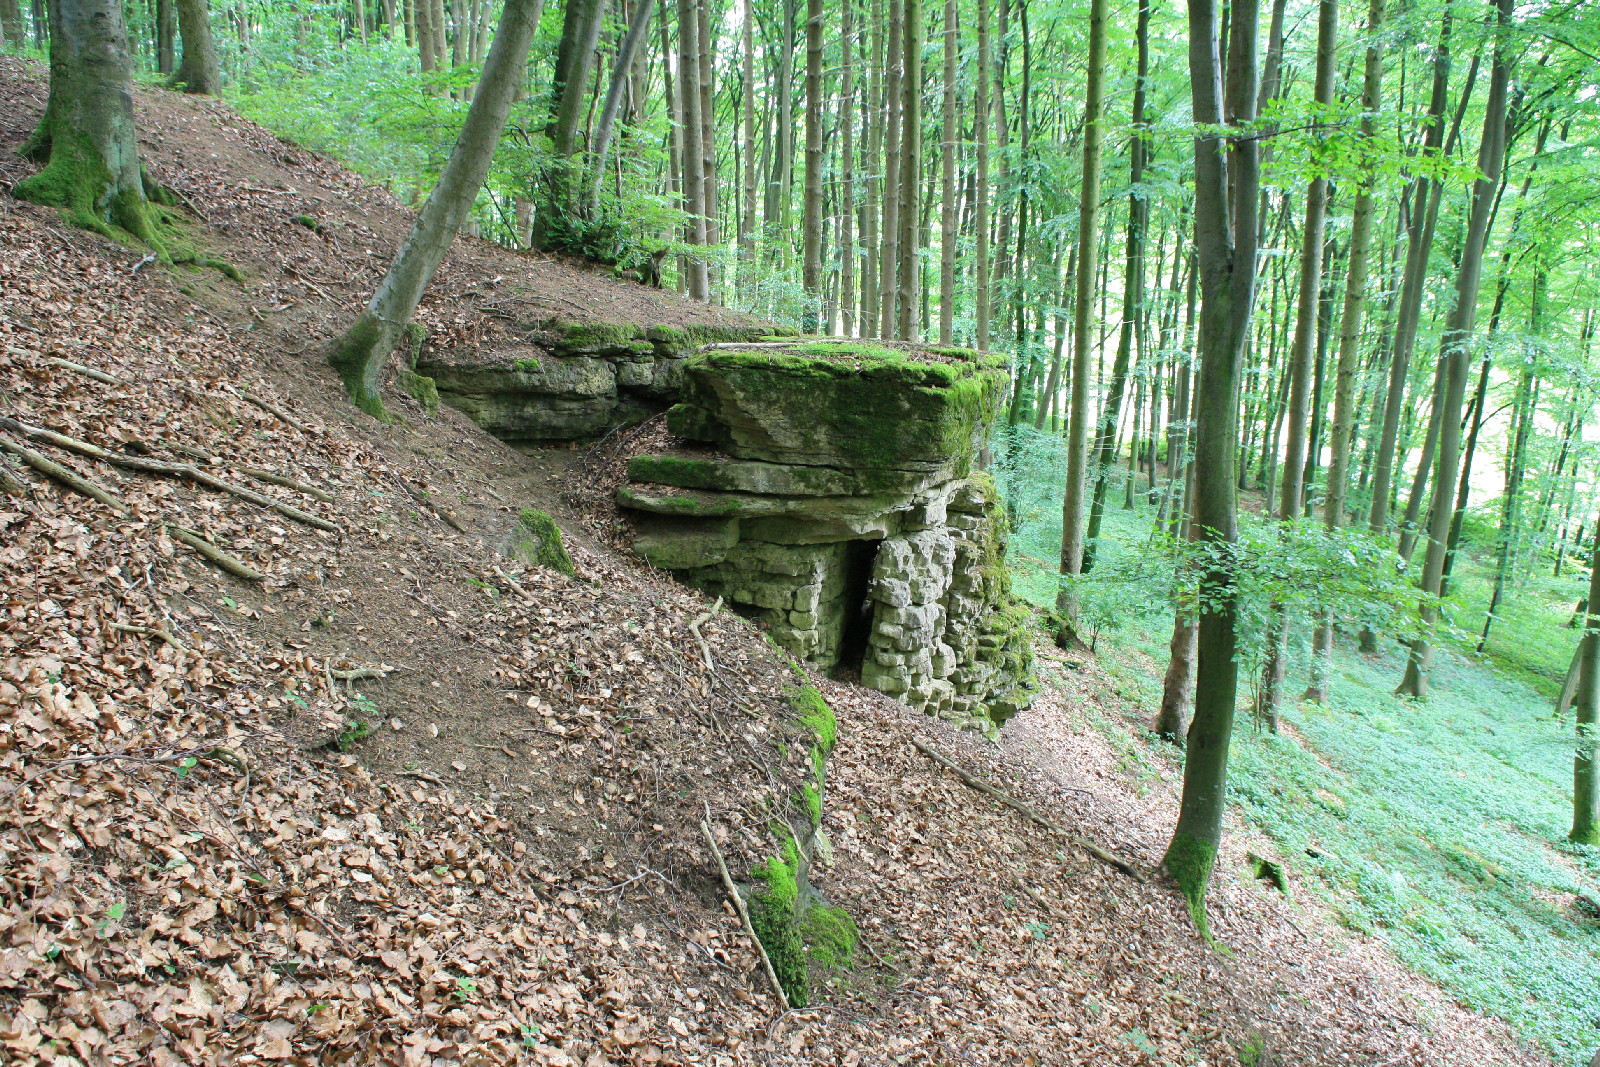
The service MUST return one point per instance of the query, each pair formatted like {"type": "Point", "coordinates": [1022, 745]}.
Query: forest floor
{"type": "Point", "coordinates": [401, 800]}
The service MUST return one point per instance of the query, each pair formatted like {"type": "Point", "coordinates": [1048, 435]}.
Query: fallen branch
{"type": "Point", "coordinates": [273, 409]}
{"type": "Point", "coordinates": [79, 368]}
{"type": "Point", "coordinates": [1039, 899]}
{"type": "Point", "coordinates": [10, 484]}
{"type": "Point", "coordinates": [516, 587]}
{"type": "Point", "coordinates": [177, 470]}
{"type": "Point", "coordinates": [66, 476]}
{"type": "Point", "coordinates": [694, 628]}
{"type": "Point", "coordinates": [230, 563]}
{"type": "Point", "coordinates": [744, 915]}
{"type": "Point", "coordinates": [270, 477]}
{"type": "Point", "coordinates": [1016, 805]}
{"type": "Point", "coordinates": [150, 631]}
{"type": "Point", "coordinates": [358, 674]}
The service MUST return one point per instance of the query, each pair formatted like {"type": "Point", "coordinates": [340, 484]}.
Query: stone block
{"type": "Point", "coordinates": [803, 620]}
{"type": "Point", "coordinates": [682, 546]}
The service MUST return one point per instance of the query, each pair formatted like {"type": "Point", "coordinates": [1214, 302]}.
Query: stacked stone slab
{"type": "Point", "coordinates": [803, 462]}
{"type": "Point", "coordinates": [567, 381]}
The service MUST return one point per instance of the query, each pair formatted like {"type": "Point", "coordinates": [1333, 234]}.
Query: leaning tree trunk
{"type": "Point", "coordinates": [580, 32]}
{"type": "Point", "coordinates": [87, 137]}
{"type": "Point", "coordinates": [1226, 185]}
{"type": "Point", "coordinates": [638, 28]}
{"type": "Point", "coordinates": [197, 73]}
{"type": "Point", "coordinates": [1457, 355]}
{"type": "Point", "coordinates": [1072, 499]}
{"type": "Point", "coordinates": [360, 355]}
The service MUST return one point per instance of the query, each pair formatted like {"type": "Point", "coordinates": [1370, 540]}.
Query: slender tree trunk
{"type": "Point", "coordinates": [1226, 186]}
{"type": "Point", "coordinates": [980, 210]}
{"type": "Point", "coordinates": [580, 34]}
{"type": "Point", "coordinates": [1586, 750]}
{"type": "Point", "coordinates": [889, 258]}
{"type": "Point", "coordinates": [947, 182]}
{"type": "Point", "coordinates": [197, 72]}
{"type": "Point", "coordinates": [360, 354]}
{"type": "Point", "coordinates": [1458, 341]}
{"type": "Point", "coordinates": [166, 34]}
{"type": "Point", "coordinates": [86, 137]}
{"type": "Point", "coordinates": [708, 136]}
{"type": "Point", "coordinates": [1292, 493]}
{"type": "Point", "coordinates": [1355, 303]}
{"type": "Point", "coordinates": [875, 119]}
{"type": "Point", "coordinates": [638, 28]}
{"type": "Point", "coordinates": [910, 168]}
{"type": "Point", "coordinates": [811, 225]}
{"type": "Point", "coordinates": [1072, 503]}
{"type": "Point", "coordinates": [847, 177]}
{"type": "Point", "coordinates": [1132, 301]}
{"type": "Point", "coordinates": [694, 202]}
{"type": "Point", "coordinates": [747, 218]}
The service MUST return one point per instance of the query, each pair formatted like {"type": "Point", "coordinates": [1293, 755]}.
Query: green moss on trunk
{"type": "Point", "coordinates": [539, 543]}
{"type": "Point", "coordinates": [1189, 861]}
{"type": "Point", "coordinates": [78, 180]}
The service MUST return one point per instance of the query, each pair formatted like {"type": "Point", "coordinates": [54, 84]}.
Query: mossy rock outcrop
{"type": "Point", "coordinates": [559, 380]}
{"type": "Point", "coordinates": [856, 406]}
{"type": "Point", "coordinates": [831, 497]}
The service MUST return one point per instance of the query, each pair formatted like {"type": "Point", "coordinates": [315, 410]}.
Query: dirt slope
{"type": "Point", "coordinates": [509, 868]}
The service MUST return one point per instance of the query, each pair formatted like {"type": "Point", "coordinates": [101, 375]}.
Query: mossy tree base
{"type": "Point", "coordinates": [359, 357]}
{"type": "Point", "coordinates": [1189, 861]}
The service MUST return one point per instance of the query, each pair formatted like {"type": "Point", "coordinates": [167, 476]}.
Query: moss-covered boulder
{"type": "Point", "coordinates": [537, 542]}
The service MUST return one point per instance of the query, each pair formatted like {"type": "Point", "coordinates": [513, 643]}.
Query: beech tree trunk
{"type": "Point", "coordinates": [1072, 498]}
{"type": "Point", "coordinates": [889, 258]}
{"type": "Point", "coordinates": [1132, 307]}
{"type": "Point", "coordinates": [1344, 383]}
{"type": "Point", "coordinates": [980, 210]}
{"type": "Point", "coordinates": [694, 200]}
{"type": "Point", "coordinates": [197, 73]}
{"type": "Point", "coordinates": [847, 178]}
{"type": "Point", "coordinates": [1585, 779]}
{"type": "Point", "coordinates": [1227, 177]}
{"type": "Point", "coordinates": [811, 220]}
{"type": "Point", "coordinates": [166, 35]}
{"type": "Point", "coordinates": [1291, 495]}
{"type": "Point", "coordinates": [580, 33]}
{"type": "Point", "coordinates": [86, 137]}
{"type": "Point", "coordinates": [360, 354]}
{"type": "Point", "coordinates": [1457, 353]}
{"type": "Point", "coordinates": [910, 168]}
{"type": "Point", "coordinates": [947, 182]}
{"type": "Point", "coordinates": [638, 28]}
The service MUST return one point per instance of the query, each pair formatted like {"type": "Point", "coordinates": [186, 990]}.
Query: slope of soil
{"type": "Point", "coordinates": [406, 801]}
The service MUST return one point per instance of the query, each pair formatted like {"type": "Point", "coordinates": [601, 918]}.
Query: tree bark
{"type": "Point", "coordinates": [166, 35]}
{"type": "Point", "coordinates": [1132, 303]}
{"type": "Point", "coordinates": [1072, 499]}
{"type": "Point", "coordinates": [708, 134]}
{"type": "Point", "coordinates": [638, 28]}
{"type": "Point", "coordinates": [980, 210]}
{"type": "Point", "coordinates": [947, 182]}
{"type": "Point", "coordinates": [847, 175]}
{"type": "Point", "coordinates": [360, 354]}
{"type": "Point", "coordinates": [693, 173]}
{"type": "Point", "coordinates": [811, 221]}
{"type": "Point", "coordinates": [86, 137]}
{"type": "Point", "coordinates": [1355, 302]}
{"type": "Point", "coordinates": [197, 72]}
{"type": "Point", "coordinates": [889, 257]}
{"type": "Point", "coordinates": [1226, 187]}
{"type": "Point", "coordinates": [910, 168]}
{"type": "Point", "coordinates": [580, 33]}
{"type": "Point", "coordinates": [1585, 779]}
{"type": "Point", "coordinates": [1457, 353]}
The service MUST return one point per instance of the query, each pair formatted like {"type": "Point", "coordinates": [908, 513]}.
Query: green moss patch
{"type": "Point", "coordinates": [538, 543]}
{"type": "Point", "coordinates": [774, 912]}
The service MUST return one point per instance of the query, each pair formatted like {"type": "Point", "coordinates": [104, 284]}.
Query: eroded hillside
{"type": "Point", "coordinates": [407, 795]}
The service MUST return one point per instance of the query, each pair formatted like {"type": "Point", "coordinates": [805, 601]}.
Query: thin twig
{"type": "Point", "coordinates": [150, 631]}
{"type": "Point", "coordinates": [694, 628]}
{"type": "Point", "coordinates": [744, 915]}
{"type": "Point", "coordinates": [79, 368]}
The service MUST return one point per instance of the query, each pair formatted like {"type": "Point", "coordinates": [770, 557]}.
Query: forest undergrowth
{"type": "Point", "coordinates": [1438, 827]}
